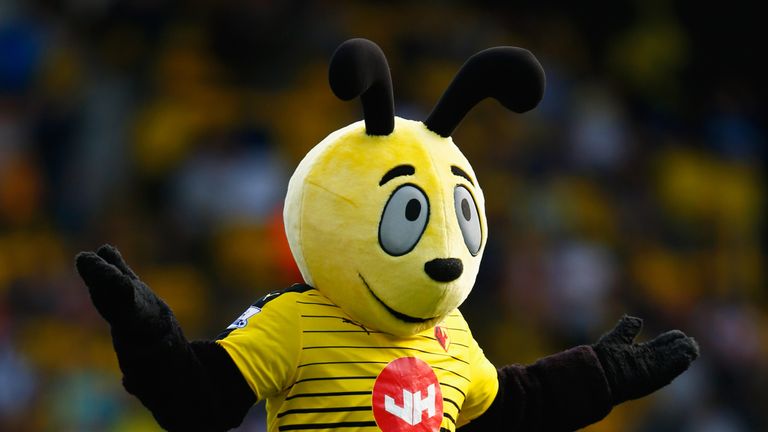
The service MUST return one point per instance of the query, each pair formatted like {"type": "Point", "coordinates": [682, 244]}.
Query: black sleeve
{"type": "Point", "coordinates": [187, 386]}
{"type": "Point", "coordinates": [562, 392]}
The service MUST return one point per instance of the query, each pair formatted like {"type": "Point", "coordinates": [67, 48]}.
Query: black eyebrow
{"type": "Point", "coordinates": [460, 172]}
{"type": "Point", "coordinates": [400, 170]}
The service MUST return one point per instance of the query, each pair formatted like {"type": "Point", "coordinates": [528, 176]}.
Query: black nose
{"type": "Point", "coordinates": [444, 269]}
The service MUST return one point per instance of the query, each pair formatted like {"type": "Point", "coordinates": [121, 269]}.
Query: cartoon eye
{"type": "Point", "coordinates": [404, 220]}
{"type": "Point", "coordinates": [469, 220]}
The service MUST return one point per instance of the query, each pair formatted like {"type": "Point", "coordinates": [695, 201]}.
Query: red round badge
{"type": "Point", "coordinates": [407, 397]}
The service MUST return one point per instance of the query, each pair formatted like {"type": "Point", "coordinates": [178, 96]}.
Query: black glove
{"type": "Point", "coordinates": [635, 370]}
{"type": "Point", "coordinates": [186, 386]}
{"type": "Point", "coordinates": [130, 307]}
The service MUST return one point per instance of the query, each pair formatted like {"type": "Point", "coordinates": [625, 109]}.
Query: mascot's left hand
{"type": "Point", "coordinates": [634, 370]}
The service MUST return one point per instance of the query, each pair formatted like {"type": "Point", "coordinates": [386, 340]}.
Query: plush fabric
{"type": "Point", "coordinates": [186, 386]}
{"type": "Point", "coordinates": [561, 392]}
{"type": "Point", "coordinates": [636, 369]}
{"type": "Point", "coordinates": [510, 75]}
{"type": "Point", "coordinates": [323, 367]}
{"type": "Point", "coordinates": [386, 221]}
{"type": "Point", "coordinates": [359, 68]}
{"type": "Point", "coordinates": [332, 213]}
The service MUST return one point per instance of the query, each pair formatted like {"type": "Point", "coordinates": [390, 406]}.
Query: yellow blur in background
{"type": "Point", "coordinates": [170, 131]}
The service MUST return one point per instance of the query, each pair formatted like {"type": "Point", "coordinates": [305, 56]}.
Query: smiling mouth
{"type": "Point", "coordinates": [396, 314]}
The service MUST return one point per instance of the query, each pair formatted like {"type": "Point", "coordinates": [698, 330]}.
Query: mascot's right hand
{"type": "Point", "coordinates": [127, 303]}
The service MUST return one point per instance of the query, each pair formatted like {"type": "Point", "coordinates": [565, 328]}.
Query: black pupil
{"type": "Point", "coordinates": [412, 209]}
{"type": "Point", "coordinates": [465, 210]}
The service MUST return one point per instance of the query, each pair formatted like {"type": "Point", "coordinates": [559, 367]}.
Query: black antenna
{"type": "Point", "coordinates": [510, 75]}
{"type": "Point", "coordinates": [359, 68]}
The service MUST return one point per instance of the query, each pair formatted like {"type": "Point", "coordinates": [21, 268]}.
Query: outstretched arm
{"type": "Point", "coordinates": [578, 387]}
{"type": "Point", "coordinates": [186, 386]}
{"type": "Point", "coordinates": [562, 392]}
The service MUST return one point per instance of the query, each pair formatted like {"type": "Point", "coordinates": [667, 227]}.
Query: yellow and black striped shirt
{"type": "Point", "coordinates": [318, 370]}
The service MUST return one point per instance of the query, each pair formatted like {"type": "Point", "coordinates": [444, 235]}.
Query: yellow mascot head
{"type": "Point", "coordinates": [385, 217]}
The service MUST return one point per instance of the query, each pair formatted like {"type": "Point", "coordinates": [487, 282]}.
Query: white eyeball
{"type": "Point", "coordinates": [403, 221]}
{"type": "Point", "coordinates": [469, 220]}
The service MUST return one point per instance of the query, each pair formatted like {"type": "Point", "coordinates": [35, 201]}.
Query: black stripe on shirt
{"type": "Point", "coordinates": [335, 378]}
{"type": "Point", "coordinates": [340, 331]}
{"type": "Point", "coordinates": [385, 347]}
{"type": "Point", "coordinates": [450, 402]}
{"type": "Point", "coordinates": [332, 379]}
{"type": "Point", "coordinates": [455, 388]}
{"type": "Point", "coordinates": [448, 370]}
{"type": "Point", "coordinates": [314, 303]}
{"type": "Point", "coordinates": [448, 416]}
{"type": "Point", "coordinates": [329, 394]}
{"type": "Point", "coordinates": [306, 426]}
{"type": "Point", "coordinates": [323, 410]}
{"type": "Point", "coordinates": [341, 362]}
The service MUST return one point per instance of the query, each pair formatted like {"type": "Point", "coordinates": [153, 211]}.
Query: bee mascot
{"type": "Point", "coordinates": [386, 220]}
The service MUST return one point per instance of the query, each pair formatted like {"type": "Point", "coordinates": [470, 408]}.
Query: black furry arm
{"type": "Point", "coordinates": [578, 387]}
{"type": "Point", "coordinates": [562, 392]}
{"type": "Point", "coordinates": [186, 386]}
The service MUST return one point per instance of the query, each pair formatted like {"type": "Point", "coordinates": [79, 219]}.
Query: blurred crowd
{"type": "Point", "coordinates": [170, 129]}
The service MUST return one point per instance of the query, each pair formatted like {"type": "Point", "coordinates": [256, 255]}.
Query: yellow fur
{"type": "Point", "coordinates": [332, 213]}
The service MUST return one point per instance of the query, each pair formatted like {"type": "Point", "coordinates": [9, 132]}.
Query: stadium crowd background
{"type": "Point", "coordinates": [170, 129]}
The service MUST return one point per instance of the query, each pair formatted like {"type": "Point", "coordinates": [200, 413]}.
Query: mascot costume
{"type": "Point", "coordinates": [385, 219]}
